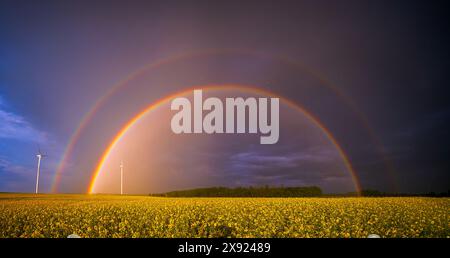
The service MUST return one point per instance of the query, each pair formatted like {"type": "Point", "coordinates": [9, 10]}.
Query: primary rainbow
{"type": "Point", "coordinates": [244, 88]}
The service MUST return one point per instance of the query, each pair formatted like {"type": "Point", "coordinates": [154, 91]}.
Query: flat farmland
{"type": "Point", "coordinates": [54, 215]}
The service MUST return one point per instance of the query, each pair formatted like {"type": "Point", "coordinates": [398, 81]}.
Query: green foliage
{"type": "Point", "coordinates": [312, 191]}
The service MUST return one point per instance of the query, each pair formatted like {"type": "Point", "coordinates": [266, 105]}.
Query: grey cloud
{"type": "Point", "coordinates": [14, 126]}
{"type": "Point", "coordinates": [256, 159]}
{"type": "Point", "coordinates": [7, 166]}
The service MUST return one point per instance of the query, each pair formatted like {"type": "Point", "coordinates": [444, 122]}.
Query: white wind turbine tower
{"type": "Point", "coordinates": [121, 177]}
{"type": "Point", "coordinates": [39, 156]}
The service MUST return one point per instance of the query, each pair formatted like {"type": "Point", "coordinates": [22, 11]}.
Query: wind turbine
{"type": "Point", "coordinates": [121, 177]}
{"type": "Point", "coordinates": [39, 156]}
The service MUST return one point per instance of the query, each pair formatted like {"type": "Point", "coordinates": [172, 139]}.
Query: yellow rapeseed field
{"type": "Point", "coordinates": [23, 215]}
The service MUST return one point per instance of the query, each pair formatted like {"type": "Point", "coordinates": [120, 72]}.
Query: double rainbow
{"type": "Point", "coordinates": [198, 53]}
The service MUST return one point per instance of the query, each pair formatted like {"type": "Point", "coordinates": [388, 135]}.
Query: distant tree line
{"type": "Point", "coordinates": [266, 191]}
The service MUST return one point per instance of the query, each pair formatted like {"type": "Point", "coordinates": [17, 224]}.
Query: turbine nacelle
{"type": "Point", "coordinates": [39, 154]}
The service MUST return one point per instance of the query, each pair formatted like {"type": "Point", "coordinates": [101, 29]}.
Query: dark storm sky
{"type": "Point", "coordinates": [390, 57]}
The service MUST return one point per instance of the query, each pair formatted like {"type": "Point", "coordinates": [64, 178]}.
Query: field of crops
{"type": "Point", "coordinates": [24, 215]}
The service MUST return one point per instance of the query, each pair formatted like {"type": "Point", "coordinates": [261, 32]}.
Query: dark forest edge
{"type": "Point", "coordinates": [266, 191]}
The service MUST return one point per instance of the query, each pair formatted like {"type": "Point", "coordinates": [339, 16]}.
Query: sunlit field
{"type": "Point", "coordinates": [27, 215]}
